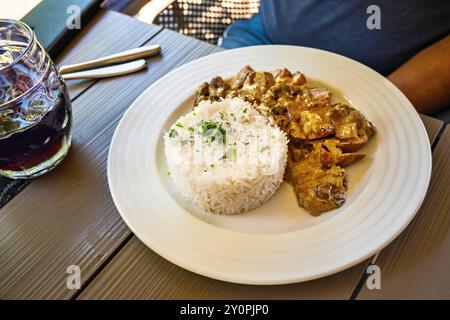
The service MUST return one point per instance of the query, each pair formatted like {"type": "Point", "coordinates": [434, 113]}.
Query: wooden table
{"type": "Point", "coordinates": [68, 218]}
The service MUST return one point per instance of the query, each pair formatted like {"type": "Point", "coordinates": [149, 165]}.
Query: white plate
{"type": "Point", "coordinates": [279, 242]}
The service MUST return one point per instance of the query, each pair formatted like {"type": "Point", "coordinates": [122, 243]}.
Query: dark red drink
{"type": "Point", "coordinates": [39, 140]}
{"type": "Point", "coordinates": [35, 110]}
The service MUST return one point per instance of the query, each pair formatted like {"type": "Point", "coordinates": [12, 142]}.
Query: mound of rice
{"type": "Point", "coordinates": [226, 157]}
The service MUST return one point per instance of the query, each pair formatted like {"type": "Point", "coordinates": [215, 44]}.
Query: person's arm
{"type": "Point", "coordinates": [425, 78]}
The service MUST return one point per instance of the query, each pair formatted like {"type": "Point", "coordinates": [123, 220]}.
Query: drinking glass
{"type": "Point", "coordinates": [35, 109]}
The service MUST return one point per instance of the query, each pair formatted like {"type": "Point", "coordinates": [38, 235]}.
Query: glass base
{"type": "Point", "coordinates": [43, 167]}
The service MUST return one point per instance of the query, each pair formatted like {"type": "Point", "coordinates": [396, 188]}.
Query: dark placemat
{"type": "Point", "coordinates": [49, 21]}
{"type": "Point", "coordinates": [9, 188]}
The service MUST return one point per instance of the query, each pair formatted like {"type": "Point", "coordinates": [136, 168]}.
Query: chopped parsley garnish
{"type": "Point", "coordinates": [173, 133]}
{"type": "Point", "coordinates": [264, 148]}
{"type": "Point", "coordinates": [222, 116]}
{"type": "Point", "coordinates": [184, 142]}
{"type": "Point", "coordinates": [213, 130]}
{"type": "Point", "coordinates": [178, 124]}
{"type": "Point", "coordinates": [245, 110]}
{"type": "Point", "coordinates": [231, 152]}
{"type": "Point", "coordinates": [191, 128]}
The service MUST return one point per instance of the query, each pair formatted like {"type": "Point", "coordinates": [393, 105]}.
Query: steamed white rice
{"type": "Point", "coordinates": [226, 157]}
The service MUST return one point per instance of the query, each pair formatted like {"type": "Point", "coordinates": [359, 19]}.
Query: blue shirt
{"type": "Point", "coordinates": [406, 27]}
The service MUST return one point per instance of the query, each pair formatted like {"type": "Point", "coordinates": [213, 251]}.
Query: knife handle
{"type": "Point", "coordinates": [107, 72]}
{"type": "Point", "coordinates": [116, 58]}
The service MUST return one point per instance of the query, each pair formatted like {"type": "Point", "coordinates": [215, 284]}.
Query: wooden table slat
{"type": "Point", "coordinates": [139, 273]}
{"type": "Point", "coordinates": [417, 264]}
{"type": "Point", "coordinates": [433, 126]}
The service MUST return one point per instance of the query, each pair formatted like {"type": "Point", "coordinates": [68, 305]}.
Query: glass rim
{"type": "Point", "coordinates": [29, 43]}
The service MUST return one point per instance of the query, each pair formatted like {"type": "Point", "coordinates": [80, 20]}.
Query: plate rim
{"type": "Point", "coordinates": [354, 262]}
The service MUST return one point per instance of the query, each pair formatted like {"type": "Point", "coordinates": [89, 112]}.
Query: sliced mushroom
{"type": "Point", "coordinates": [299, 78]}
{"type": "Point", "coordinates": [242, 76]}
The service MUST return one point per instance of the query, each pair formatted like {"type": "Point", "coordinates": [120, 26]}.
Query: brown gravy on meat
{"type": "Point", "coordinates": [324, 135]}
